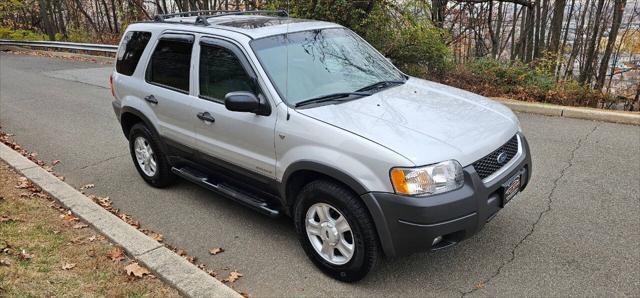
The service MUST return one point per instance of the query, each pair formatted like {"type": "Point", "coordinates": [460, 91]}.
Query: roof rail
{"type": "Point", "coordinates": [203, 15]}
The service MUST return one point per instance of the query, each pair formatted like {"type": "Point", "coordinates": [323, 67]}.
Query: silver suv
{"type": "Point", "coordinates": [306, 119]}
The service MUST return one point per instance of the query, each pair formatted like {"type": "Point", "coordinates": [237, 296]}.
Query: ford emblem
{"type": "Point", "coordinates": [502, 158]}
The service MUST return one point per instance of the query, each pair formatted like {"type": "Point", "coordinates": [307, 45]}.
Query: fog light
{"type": "Point", "coordinates": [437, 240]}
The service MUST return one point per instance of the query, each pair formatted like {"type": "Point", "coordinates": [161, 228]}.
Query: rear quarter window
{"type": "Point", "coordinates": [130, 51]}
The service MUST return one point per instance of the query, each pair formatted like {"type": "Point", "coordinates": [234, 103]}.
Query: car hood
{"type": "Point", "coordinates": [425, 122]}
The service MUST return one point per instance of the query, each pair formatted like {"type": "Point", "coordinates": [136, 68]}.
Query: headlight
{"type": "Point", "coordinates": [433, 179]}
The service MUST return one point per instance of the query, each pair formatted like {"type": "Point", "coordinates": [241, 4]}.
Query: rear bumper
{"type": "Point", "coordinates": [407, 224]}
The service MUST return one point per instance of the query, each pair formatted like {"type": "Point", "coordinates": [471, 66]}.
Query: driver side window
{"type": "Point", "coordinates": [221, 72]}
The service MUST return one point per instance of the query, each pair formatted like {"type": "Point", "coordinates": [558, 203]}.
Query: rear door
{"type": "Point", "coordinates": [243, 141]}
{"type": "Point", "coordinates": [168, 75]}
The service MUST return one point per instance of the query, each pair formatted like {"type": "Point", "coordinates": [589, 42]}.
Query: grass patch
{"type": "Point", "coordinates": [33, 228]}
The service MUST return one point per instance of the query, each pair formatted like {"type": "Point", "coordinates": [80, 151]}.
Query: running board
{"type": "Point", "coordinates": [250, 201]}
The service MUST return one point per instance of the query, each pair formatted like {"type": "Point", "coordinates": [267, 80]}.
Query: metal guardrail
{"type": "Point", "coordinates": [62, 45]}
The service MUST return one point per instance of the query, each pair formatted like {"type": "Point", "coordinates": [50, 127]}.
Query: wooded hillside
{"type": "Point", "coordinates": [574, 52]}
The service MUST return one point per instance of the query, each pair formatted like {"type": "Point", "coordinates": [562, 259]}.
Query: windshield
{"type": "Point", "coordinates": [321, 62]}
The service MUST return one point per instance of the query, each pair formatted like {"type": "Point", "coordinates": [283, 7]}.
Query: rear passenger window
{"type": "Point", "coordinates": [170, 63]}
{"type": "Point", "coordinates": [220, 73]}
{"type": "Point", "coordinates": [133, 44]}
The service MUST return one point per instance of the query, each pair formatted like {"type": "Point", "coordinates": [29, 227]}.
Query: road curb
{"type": "Point", "coordinates": [572, 112]}
{"type": "Point", "coordinates": [176, 271]}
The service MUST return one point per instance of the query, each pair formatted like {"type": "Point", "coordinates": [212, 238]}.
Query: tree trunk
{"type": "Point", "coordinates": [556, 25]}
{"type": "Point", "coordinates": [48, 28]}
{"type": "Point", "coordinates": [115, 16]}
{"type": "Point", "coordinates": [587, 72]}
{"type": "Point", "coordinates": [613, 34]}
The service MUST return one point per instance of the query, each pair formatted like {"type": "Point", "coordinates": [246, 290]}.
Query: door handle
{"type": "Point", "coordinates": [205, 116]}
{"type": "Point", "coordinates": [151, 99]}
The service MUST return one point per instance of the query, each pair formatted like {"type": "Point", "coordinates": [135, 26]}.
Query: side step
{"type": "Point", "coordinates": [245, 199]}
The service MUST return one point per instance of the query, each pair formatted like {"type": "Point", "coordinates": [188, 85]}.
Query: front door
{"type": "Point", "coordinates": [243, 141]}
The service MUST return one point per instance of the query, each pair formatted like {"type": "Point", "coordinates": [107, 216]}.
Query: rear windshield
{"type": "Point", "coordinates": [133, 44]}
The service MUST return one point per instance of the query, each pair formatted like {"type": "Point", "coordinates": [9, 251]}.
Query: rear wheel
{"type": "Point", "coordinates": [148, 157]}
{"type": "Point", "coordinates": [336, 230]}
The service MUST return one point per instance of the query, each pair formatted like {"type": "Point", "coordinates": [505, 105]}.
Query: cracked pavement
{"type": "Point", "coordinates": [575, 231]}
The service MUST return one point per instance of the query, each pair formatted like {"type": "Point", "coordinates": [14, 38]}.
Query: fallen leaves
{"type": "Point", "coordinates": [5, 262]}
{"type": "Point", "coordinates": [87, 186]}
{"type": "Point", "coordinates": [23, 183]}
{"type": "Point", "coordinates": [479, 285]}
{"type": "Point", "coordinates": [68, 266]}
{"type": "Point", "coordinates": [233, 276]}
{"type": "Point", "coordinates": [153, 235]}
{"type": "Point", "coordinates": [156, 237]}
{"type": "Point", "coordinates": [55, 162]}
{"type": "Point", "coordinates": [215, 251]}
{"type": "Point", "coordinates": [80, 226]}
{"type": "Point", "coordinates": [128, 219]}
{"type": "Point", "coordinates": [211, 272]}
{"type": "Point", "coordinates": [6, 218]}
{"type": "Point", "coordinates": [116, 254]}
{"type": "Point", "coordinates": [136, 270]}
{"type": "Point", "coordinates": [24, 256]}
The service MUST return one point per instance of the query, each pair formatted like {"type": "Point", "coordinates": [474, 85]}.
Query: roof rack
{"type": "Point", "coordinates": [203, 15]}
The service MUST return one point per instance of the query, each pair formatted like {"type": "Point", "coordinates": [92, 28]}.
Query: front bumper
{"type": "Point", "coordinates": [406, 224]}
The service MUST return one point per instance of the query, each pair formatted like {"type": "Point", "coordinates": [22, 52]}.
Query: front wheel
{"type": "Point", "coordinates": [336, 230]}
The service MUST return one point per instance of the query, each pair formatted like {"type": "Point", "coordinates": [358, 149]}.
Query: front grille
{"type": "Point", "coordinates": [489, 164]}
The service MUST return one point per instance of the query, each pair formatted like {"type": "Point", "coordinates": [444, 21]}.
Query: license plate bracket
{"type": "Point", "coordinates": [511, 188]}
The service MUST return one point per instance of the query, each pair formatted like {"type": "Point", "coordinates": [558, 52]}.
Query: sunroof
{"type": "Point", "coordinates": [254, 23]}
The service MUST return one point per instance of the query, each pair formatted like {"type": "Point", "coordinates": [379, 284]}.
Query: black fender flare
{"type": "Point", "coordinates": [326, 170]}
{"type": "Point", "coordinates": [137, 113]}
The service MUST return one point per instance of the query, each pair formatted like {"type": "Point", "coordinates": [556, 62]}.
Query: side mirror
{"type": "Point", "coordinates": [242, 101]}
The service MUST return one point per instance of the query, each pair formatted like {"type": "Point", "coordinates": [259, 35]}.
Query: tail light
{"type": "Point", "coordinates": [113, 91]}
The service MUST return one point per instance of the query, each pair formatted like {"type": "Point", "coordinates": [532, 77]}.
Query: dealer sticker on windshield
{"type": "Point", "coordinates": [511, 188]}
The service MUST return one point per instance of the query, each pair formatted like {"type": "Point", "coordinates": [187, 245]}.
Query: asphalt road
{"type": "Point", "coordinates": [575, 231]}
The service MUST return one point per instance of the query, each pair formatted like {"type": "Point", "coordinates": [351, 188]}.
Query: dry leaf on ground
{"type": "Point", "coordinates": [88, 186]}
{"type": "Point", "coordinates": [68, 217]}
{"type": "Point", "coordinates": [68, 266]}
{"type": "Point", "coordinates": [25, 256]}
{"type": "Point", "coordinates": [23, 183]}
{"type": "Point", "coordinates": [55, 162]}
{"type": "Point", "coordinates": [215, 251]}
{"type": "Point", "coordinates": [136, 270]}
{"type": "Point", "coordinates": [5, 262]}
{"type": "Point", "coordinates": [116, 254]}
{"type": "Point", "coordinates": [6, 218]}
{"type": "Point", "coordinates": [233, 276]}
{"type": "Point", "coordinates": [80, 226]}
{"type": "Point", "coordinates": [212, 273]}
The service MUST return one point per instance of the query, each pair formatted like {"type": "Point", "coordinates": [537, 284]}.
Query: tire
{"type": "Point", "coordinates": [162, 175]}
{"type": "Point", "coordinates": [366, 248]}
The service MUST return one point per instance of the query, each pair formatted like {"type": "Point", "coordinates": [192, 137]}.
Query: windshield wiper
{"type": "Point", "coordinates": [381, 85]}
{"type": "Point", "coordinates": [342, 96]}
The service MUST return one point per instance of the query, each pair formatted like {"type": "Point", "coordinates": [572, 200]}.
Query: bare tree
{"type": "Point", "coordinates": [613, 35]}
{"type": "Point", "coordinates": [587, 72]}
